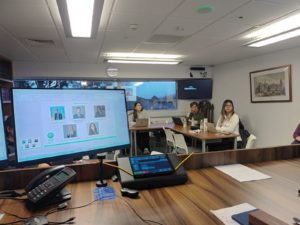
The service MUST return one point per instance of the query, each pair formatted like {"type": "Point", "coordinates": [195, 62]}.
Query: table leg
{"type": "Point", "coordinates": [203, 146]}
{"type": "Point", "coordinates": [131, 141]}
{"type": "Point", "coordinates": [135, 145]}
{"type": "Point", "coordinates": [235, 143]}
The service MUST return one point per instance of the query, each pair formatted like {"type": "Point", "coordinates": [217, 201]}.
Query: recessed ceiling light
{"type": "Point", "coordinates": [131, 61]}
{"type": "Point", "coordinates": [142, 55]}
{"type": "Point", "coordinates": [280, 26]}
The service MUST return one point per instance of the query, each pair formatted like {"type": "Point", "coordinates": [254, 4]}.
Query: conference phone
{"type": "Point", "coordinates": [49, 185]}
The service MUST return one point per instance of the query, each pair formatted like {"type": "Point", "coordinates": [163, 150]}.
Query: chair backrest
{"type": "Point", "coordinates": [169, 137]}
{"type": "Point", "coordinates": [250, 141]}
{"type": "Point", "coordinates": [180, 143]}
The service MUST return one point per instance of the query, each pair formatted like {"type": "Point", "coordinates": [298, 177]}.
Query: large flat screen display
{"type": "Point", "coordinates": [62, 123]}
{"type": "Point", "coordinates": [195, 89]}
{"type": "Point", "coordinates": [3, 147]}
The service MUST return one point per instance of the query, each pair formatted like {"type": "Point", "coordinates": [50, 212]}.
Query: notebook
{"type": "Point", "coordinates": [150, 165]}
{"type": "Point", "coordinates": [141, 122]}
{"type": "Point", "coordinates": [177, 121]}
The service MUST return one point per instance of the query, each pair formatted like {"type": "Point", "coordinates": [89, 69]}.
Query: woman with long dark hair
{"type": "Point", "coordinates": [141, 136]}
{"type": "Point", "coordinates": [228, 122]}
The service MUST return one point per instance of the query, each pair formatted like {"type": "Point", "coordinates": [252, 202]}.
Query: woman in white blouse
{"type": "Point", "coordinates": [228, 122]}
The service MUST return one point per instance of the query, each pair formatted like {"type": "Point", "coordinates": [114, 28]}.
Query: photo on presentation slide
{"type": "Point", "coordinates": [99, 111]}
{"type": "Point", "coordinates": [93, 128]}
{"type": "Point", "coordinates": [70, 130]}
{"type": "Point", "coordinates": [57, 112]}
{"type": "Point", "coordinates": [78, 112]}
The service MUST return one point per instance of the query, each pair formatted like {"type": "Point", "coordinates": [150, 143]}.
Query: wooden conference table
{"type": "Point", "coordinates": [206, 189]}
{"type": "Point", "coordinates": [186, 131]}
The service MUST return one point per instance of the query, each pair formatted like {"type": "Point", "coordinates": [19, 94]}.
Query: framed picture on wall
{"type": "Point", "coordinates": [271, 85]}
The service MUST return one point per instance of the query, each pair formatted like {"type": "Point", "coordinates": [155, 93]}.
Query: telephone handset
{"type": "Point", "coordinates": [48, 183]}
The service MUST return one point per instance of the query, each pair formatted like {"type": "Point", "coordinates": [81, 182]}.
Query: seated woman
{"type": "Point", "coordinates": [228, 122]}
{"type": "Point", "coordinates": [142, 137]}
{"type": "Point", "coordinates": [194, 113]}
{"type": "Point", "coordinates": [296, 135]}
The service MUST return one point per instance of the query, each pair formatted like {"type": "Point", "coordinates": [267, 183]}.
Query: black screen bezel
{"type": "Point", "coordinates": [5, 162]}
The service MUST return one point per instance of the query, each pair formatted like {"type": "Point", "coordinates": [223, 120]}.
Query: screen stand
{"type": "Point", "coordinates": [101, 182]}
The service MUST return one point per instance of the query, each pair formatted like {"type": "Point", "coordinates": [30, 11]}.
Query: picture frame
{"type": "Point", "coordinates": [271, 85]}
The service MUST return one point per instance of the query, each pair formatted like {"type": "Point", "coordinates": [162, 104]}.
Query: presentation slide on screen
{"type": "Point", "coordinates": [56, 122]}
{"type": "Point", "coordinates": [3, 151]}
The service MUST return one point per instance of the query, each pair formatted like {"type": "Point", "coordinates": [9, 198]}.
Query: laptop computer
{"type": "Point", "coordinates": [177, 121]}
{"type": "Point", "coordinates": [211, 128]}
{"type": "Point", "coordinates": [141, 122]}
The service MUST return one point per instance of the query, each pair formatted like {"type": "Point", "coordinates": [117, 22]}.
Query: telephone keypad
{"type": "Point", "coordinates": [49, 185]}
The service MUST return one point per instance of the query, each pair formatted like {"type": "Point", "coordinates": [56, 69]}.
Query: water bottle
{"type": "Point", "coordinates": [204, 125]}
{"type": "Point", "coordinates": [184, 121]}
{"type": "Point", "coordinates": [201, 125]}
{"type": "Point", "coordinates": [193, 122]}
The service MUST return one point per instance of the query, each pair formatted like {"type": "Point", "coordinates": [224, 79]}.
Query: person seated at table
{"type": "Point", "coordinates": [228, 122]}
{"type": "Point", "coordinates": [141, 136]}
{"type": "Point", "coordinates": [296, 135]}
{"type": "Point", "coordinates": [194, 113]}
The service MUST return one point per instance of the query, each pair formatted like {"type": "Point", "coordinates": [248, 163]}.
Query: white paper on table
{"type": "Point", "coordinates": [1, 215]}
{"type": "Point", "coordinates": [242, 173]}
{"type": "Point", "coordinates": [225, 214]}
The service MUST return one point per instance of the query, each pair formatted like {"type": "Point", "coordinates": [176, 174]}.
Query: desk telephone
{"type": "Point", "coordinates": [50, 184]}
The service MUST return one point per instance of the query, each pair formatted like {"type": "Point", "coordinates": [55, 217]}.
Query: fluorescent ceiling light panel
{"type": "Point", "coordinates": [277, 38]}
{"type": "Point", "coordinates": [141, 55]}
{"type": "Point", "coordinates": [128, 61]}
{"type": "Point", "coordinates": [283, 25]}
{"type": "Point", "coordinates": [81, 17]}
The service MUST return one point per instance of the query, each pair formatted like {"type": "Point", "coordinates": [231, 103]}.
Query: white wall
{"type": "Point", "coordinates": [31, 70]}
{"type": "Point", "coordinates": [272, 123]}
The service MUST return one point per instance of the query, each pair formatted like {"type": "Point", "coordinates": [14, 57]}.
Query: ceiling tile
{"type": "Point", "coordinates": [146, 7]}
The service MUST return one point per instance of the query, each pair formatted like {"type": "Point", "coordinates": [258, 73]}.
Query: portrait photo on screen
{"type": "Point", "coordinates": [99, 111]}
{"type": "Point", "coordinates": [78, 112]}
{"type": "Point", "coordinates": [70, 130]}
{"type": "Point", "coordinates": [57, 112]}
{"type": "Point", "coordinates": [93, 128]}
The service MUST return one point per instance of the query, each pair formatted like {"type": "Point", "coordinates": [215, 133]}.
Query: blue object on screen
{"type": "Point", "coordinates": [150, 165]}
{"type": "Point", "coordinates": [243, 218]}
{"type": "Point", "coordinates": [3, 146]}
{"type": "Point", "coordinates": [195, 89]}
{"type": "Point", "coordinates": [53, 124]}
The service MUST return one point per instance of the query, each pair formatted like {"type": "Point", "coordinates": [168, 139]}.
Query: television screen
{"type": "Point", "coordinates": [3, 147]}
{"type": "Point", "coordinates": [195, 89]}
{"type": "Point", "coordinates": [55, 124]}
{"type": "Point", "coordinates": [154, 95]}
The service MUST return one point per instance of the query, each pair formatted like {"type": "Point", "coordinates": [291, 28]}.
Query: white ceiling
{"type": "Point", "coordinates": [208, 39]}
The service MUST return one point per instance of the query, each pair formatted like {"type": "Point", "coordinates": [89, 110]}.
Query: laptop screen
{"type": "Point", "coordinates": [150, 165]}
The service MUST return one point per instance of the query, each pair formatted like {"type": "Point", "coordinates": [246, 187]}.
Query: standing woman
{"type": "Point", "coordinates": [141, 136]}
{"type": "Point", "coordinates": [228, 122]}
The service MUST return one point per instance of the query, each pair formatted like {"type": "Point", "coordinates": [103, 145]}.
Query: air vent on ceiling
{"type": "Point", "coordinates": [40, 43]}
{"type": "Point", "coordinates": [164, 39]}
